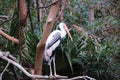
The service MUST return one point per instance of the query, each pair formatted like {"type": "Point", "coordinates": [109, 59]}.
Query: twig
{"type": "Point", "coordinates": [7, 54]}
{"type": "Point", "coordinates": [29, 15]}
{"type": "Point", "coordinates": [38, 10]}
{"type": "Point", "coordinates": [14, 40]}
{"type": "Point", "coordinates": [4, 70]}
{"type": "Point", "coordinates": [27, 73]}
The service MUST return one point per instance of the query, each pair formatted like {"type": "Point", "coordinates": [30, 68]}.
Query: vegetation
{"type": "Point", "coordinates": [94, 51]}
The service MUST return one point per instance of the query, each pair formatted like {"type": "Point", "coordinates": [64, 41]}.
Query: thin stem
{"type": "Point", "coordinates": [5, 69]}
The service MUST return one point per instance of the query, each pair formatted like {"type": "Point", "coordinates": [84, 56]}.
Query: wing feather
{"type": "Point", "coordinates": [56, 37]}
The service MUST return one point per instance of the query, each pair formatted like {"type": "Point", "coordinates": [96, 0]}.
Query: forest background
{"type": "Point", "coordinates": [94, 25]}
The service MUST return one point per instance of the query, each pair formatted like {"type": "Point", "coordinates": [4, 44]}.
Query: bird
{"type": "Point", "coordinates": [52, 42]}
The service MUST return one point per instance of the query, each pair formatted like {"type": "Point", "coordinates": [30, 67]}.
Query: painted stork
{"type": "Point", "coordinates": [52, 42]}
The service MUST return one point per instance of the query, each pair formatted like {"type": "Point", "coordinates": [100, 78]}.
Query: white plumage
{"type": "Point", "coordinates": [52, 43]}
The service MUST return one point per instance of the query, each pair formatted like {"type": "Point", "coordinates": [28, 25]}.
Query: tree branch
{"type": "Point", "coordinates": [35, 5]}
{"type": "Point", "coordinates": [60, 16]}
{"type": "Point", "coordinates": [14, 40]}
{"type": "Point", "coordinates": [4, 70]}
{"type": "Point", "coordinates": [3, 55]}
{"type": "Point", "coordinates": [29, 15]}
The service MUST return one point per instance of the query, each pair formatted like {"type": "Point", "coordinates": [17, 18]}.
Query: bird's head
{"type": "Point", "coordinates": [63, 26]}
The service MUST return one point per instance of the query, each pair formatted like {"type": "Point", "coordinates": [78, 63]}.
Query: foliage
{"type": "Point", "coordinates": [98, 57]}
{"type": "Point", "coordinates": [30, 44]}
{"type": "Point", "coordinates": [93, 57]}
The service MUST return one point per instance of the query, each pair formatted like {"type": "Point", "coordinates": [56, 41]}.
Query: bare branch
{"type": "Point", "coordinates": [14, 40]}
{"type": "Point", "coordinates": [29, 15]}
{"type": "Point", "coordinates": [60, 16]}
{"type": "Point", "coordinates": [35, 5]}
{"type": "Point", "coordinates": [4, 57]}
{"type": "Point", "coordinates": [4, 70]}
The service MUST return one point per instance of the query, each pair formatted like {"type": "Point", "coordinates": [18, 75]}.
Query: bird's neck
{"type": "Point", "coordinates": [63, 33]}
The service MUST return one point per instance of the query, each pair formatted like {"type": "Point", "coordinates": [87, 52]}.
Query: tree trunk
{"type": "Point", "coordinates": [22, 21]}
{"type": "Point", "coordinates": [48, 27]}
{"type": "Point", "coordinates": [22, 12]}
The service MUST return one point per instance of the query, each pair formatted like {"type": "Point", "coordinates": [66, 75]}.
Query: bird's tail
{"type": "Point", "coordinates": [47, 55]}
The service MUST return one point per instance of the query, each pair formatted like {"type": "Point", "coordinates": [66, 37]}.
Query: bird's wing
{"type": "Point", "coordinates": [55, 37]}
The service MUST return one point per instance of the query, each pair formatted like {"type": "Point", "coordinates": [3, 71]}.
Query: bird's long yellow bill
{"type": "Point", "coordinates": [68, 33]}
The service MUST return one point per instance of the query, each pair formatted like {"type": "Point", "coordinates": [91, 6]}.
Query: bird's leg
{"type": "Point", "coordinates": [50, 69]}
{"type": "Point", "coordinates": [54, 66]}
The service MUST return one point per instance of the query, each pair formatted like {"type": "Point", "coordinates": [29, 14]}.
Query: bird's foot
{"type": "Point", "coordinates": [55, 75]}
{"type": "Point", "coordinates": [60, 77]}
{"type": "Point", "coordinates": [51, 75]}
